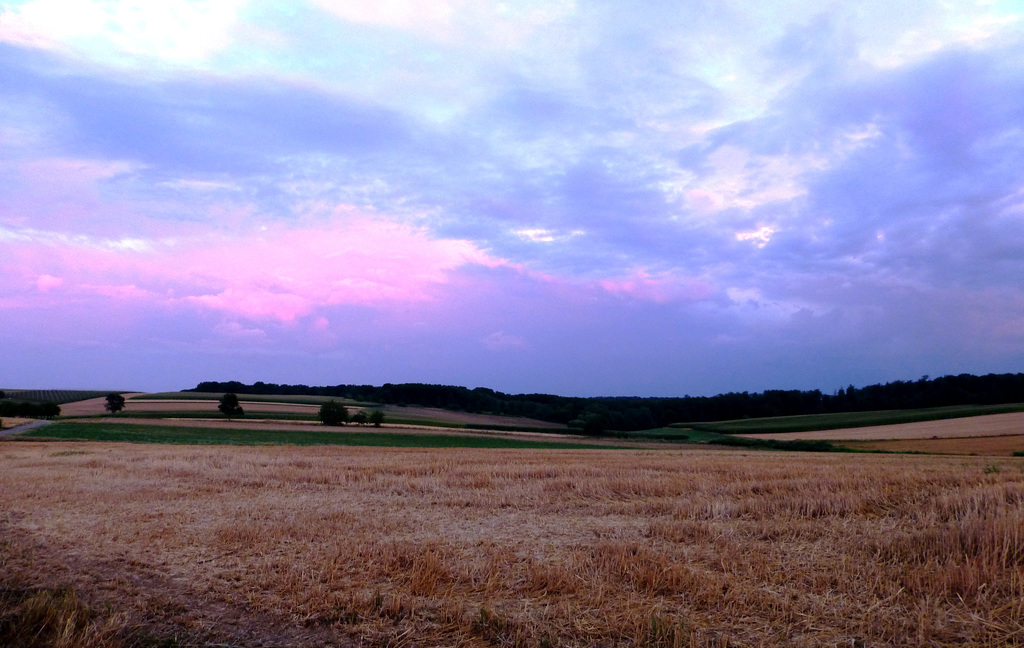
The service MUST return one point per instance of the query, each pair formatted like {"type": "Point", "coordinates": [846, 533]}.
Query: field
{"type": "Point", "coordinates": [815, 423]}
{"type": "Point", "coordinates": [271, 434]}
{"type": "Point", "coordinates": [995, 434]}
{"type": "Point", "coordinates": [119, 545]}
{"type": "Point", "coordinates": [985, 445]}
{"type": "Point", "coordinates": [296, 408]}
{"type": "Point", "coordinates": [59, 396]}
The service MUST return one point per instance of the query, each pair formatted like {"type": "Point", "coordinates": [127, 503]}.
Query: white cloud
{"type": "Point", "coordinates": [173, 31]}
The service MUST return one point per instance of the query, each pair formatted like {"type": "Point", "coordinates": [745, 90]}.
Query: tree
{"type": "Point", "coordinates": [115, 403]}
{"type": "Point", "coordinates": [229, 405]}
{"type": "Point", "coordinates": [360, 418]}
{"type": "Point", "coordinates": [376, 417]}
{"type": "Point", "coordinates": [333, 413]}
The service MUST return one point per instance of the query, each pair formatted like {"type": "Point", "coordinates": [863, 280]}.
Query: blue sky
{"type": "Point", "coordinates": [580, 198]}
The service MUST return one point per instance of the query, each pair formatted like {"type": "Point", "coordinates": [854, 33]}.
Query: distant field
{"type": "Point", "coordinates": [842, 421]}
{"type": "Point", "coordinates": [253, 398]}
{"type": "Point", "coordinates": [186, 402]}
{"type": "Point", "coordinates": [991, 425]}
{"type": "Point", "coordinates": [986, 445]}
{"type": "Point", "coordinates": [58, 396]}
{"type": "Point", "coordinates": [148, 433]}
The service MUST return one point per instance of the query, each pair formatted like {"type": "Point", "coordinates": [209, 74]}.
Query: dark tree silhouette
{"type": "Point", "coordinates": [229, 406]}
{"type": "Point", "coordinates": [115, 403]}
{"type": "Point", "coordinates": [333, 413]}
{"type": "Point", "coordinates": [376, 417]}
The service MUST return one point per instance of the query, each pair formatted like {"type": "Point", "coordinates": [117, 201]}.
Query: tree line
{"type": "Point", "coordinates": [639, 413]}
{"type": "Point", "coordinates": [27, 409]}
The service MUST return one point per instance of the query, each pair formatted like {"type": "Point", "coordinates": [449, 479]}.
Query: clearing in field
{"type": "Point", "coordinates": [128, 544]}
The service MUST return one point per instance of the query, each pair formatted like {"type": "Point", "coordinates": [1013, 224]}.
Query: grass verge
{"type": "Point", "coordinates": [136, 433]}
{"type": "Point", "coordinates": [676, 435]}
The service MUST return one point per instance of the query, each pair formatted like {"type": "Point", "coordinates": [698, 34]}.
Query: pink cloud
{"type": "Point", "coordinates": [273, 273]}
{"type": "Point", "coordinates": [46, 283]}
{"type": "Point", "coordinates": [662, 288]}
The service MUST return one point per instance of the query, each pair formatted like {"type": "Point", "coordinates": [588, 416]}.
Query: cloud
{"type": "Point", "coordinates": [689, 184]}
{"type": "Point", "coordinates": [499, 340]}
{"type": "Point", "coordinates": [280, 274]}
{"type": "Point", "coordinates": [46, 283]}
{"type": "Point", "coordinates": [121, 32]}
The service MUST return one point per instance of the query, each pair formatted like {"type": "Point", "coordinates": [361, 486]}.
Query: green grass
{"type": "Point", "coordinates": [299, 416]}
{"type": "Point", "coordinates": [212, 413]}
{"type": "Point", "coordinates": [813, 422]}
{"type": "Point", "coordinates": [136, 433]}
{"type": "Point", "coordinates": [675, 435]}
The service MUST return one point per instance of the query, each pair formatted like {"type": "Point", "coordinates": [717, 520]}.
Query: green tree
{"type": "Point", "coordinates": [229, 406]}
{"type": "Point", "coordinates": [360, 418]}
{"type": "Point", "coordinates": [333, 413]}
{"type": "Point", "coordinates": [376, 417]}
{"type": "Point", "coordinates": [115, 403]}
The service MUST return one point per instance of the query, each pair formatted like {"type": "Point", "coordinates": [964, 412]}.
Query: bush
{"type": "Point", "coordinates": [229, 405]}
{"type": "Point", "coordinates": [29, 410]}
{"type": "Point", "coordinates": [115, 403]}
{"type": "Point", "coordinates": [333, 413]}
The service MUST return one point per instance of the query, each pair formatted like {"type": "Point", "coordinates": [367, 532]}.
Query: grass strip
{"type": "Point", "coordinates": [200, 414]}
{"type": "Point", "coordinates": [675, 435]}
{"type": "Point", "coordinates": [165, 434]}
{"type": "Point", "coordinates": [299, 416]}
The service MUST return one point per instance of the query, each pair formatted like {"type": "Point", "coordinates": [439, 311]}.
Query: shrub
{"type": "Point", "coordinates": [333, 413]}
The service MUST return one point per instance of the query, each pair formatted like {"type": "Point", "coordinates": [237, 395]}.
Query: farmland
{"type": "Point", "coordinates": [58, 396]}
{"type": "Point", "coordinates": [203, 434]}
{"type": "Point", "coordinates": [816, 423]}
{"type": "Point", "coordinates": [293, 546]}
{"type": "Point", "coordinates": [179, 405]}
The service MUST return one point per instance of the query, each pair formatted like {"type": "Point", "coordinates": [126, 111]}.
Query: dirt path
{"type": "Point", "coordinates": [24, 427]}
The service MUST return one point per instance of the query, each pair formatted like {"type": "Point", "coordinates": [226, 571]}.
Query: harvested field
{"type": "Point", "coordinates": [994, 446]}
{"type": "Point", "coordinates": [325, 546]}
{"type": "Point", "coordinates": [975, 426]}
{"type": "Point", "coordinates": [88, 407]}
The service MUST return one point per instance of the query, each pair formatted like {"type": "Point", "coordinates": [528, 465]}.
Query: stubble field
{"type": "Point", "coordinates": [287, 546]}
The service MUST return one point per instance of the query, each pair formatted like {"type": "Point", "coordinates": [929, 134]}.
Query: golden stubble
{"type": "Point", "coordinates": [525, 548]}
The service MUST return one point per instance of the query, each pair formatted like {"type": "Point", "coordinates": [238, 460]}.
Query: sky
{"type": "Point", "coordinates": [600, 198]}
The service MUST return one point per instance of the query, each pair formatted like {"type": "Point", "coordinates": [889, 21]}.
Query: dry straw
{"type": "Point", "coordinates": [301, 546]}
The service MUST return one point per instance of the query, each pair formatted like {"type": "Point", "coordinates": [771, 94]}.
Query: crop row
{"type": "Point", "coordinates": [58, 396]}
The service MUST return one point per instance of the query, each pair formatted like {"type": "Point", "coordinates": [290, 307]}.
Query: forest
{"type": "Point", "coordinates": [640, 413]}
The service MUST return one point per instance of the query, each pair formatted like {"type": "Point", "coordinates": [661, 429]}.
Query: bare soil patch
{"type": "Point", "coordinates": [974, 426]}
{"type": "Point", "coordinates": [291, 546]}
